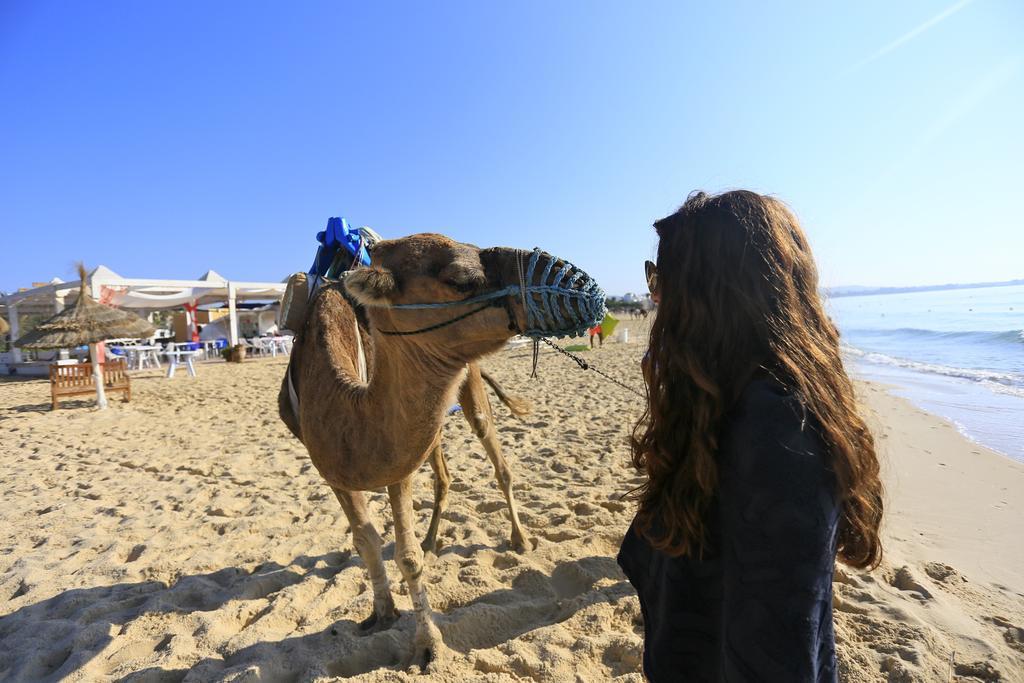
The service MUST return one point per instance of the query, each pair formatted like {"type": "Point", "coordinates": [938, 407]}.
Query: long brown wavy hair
{"type": "Point", "coordinates": [739, 295]}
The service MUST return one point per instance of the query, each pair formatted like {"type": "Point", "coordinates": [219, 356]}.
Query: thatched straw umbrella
{"type": "Point", "coordinates": [4, 327]}
{"type": "Point", "coordinates": [86, 322]}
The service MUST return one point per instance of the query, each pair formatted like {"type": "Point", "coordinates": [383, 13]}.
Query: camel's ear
{"type": "Point", "coordinates": [371, 286]}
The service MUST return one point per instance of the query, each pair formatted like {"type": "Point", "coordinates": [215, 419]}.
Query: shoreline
{"type": "Point", "coordinates": [983, 416]}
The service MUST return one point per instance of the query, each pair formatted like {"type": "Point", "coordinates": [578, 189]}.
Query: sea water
{"type": "Point", "coordinates": [957, 353]}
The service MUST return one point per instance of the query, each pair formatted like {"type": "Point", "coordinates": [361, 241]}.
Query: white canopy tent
{"type": "Point", "coordinates": [108, 287]}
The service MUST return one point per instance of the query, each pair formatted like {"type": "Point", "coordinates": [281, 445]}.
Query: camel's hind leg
{"type": "Point", "coordinates": [442, 480]}
{"type": "Point", "coordinates": [368, 545]}
{"type": "Point", "coordinates": [477, 410]}
{"type": "Point", "coordinates": [428, 646]}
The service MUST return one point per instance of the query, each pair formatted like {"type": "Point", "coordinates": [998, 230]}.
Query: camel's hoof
{"type": "Point", "coordinates": [429, 545]}
{"type": "Point", "coordinates": [428, 659]}
{"type": "Point", "coordinates": [376, 622]}
{"type": "Point", "coordinates": [519, 544]}
{"type": "Point", "coordinates": [424, 659]}
{"type": "Point", "coordinates": [429, 652]}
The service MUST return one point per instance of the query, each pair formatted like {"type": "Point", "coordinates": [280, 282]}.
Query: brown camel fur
{"type": "Point", "coordinates": [374, 430]}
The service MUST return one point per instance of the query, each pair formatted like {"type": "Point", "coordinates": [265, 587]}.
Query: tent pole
{"type": "Point", "coordinates": [12, 320]}
{"type": "Point", "coordinates": [97, 374]}
{"type": "Point", "coordinates": [232, 316]}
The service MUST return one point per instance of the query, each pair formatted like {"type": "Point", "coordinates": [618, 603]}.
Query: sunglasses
{"type": "Point", "coordinates": [651, 273]}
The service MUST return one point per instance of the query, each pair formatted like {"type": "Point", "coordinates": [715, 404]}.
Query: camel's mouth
{"type": "Point", "coordinates": [558, 298]}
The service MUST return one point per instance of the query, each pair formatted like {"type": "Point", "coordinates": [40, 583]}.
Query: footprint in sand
{"type": "Point", "coordinates": [135, 553]}
{"type": "Point", "coordinates": [623, 656]}
{"type": "Point", "coordinates": [613, 506]}
{"type": "Point", "coordinates": [585, 509]}
{"type": "Point", "coordinates": [490, 506]}
{"type": "Point", "coordinates": [904, 580]}
{"type": "Point", "coordinates": [1012, 634]}
{"type": "Point", "coordinates": [559, 535]}
{"type": "Point", "coordinates": [505, 562]}
{"type": "Point", "coordinates": [984, 671]}
{"type": "Point", "coordinates": [943, 573]}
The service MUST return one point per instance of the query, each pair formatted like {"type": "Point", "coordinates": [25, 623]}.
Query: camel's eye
{"type": "Point", "coordinates": [464, 286]}
{"type": "Point", "coordinates": [461, 278]}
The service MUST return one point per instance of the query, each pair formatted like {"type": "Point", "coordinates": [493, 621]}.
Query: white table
{"type": "Point", "coordinates": [207, 351]}
{"type": "Point", "coordinates": [176, 357]}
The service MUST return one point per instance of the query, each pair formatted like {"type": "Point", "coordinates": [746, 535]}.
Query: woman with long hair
{"type": "Point", "coordinates": [759, 468]}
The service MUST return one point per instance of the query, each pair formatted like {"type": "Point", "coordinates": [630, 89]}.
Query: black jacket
{"type": "Point", "coordinates": [758, 605]}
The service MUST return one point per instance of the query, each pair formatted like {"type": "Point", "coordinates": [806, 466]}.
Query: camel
{"type": "Point", "coordinates": [371, 383]}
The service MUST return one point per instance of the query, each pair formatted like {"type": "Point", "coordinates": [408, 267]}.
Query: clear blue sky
{"type": "Point", "coordinates": [162, 139]}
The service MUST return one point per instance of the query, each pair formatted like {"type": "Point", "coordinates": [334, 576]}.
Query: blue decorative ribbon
{"type": "Point", "coordinates": [336, 237]}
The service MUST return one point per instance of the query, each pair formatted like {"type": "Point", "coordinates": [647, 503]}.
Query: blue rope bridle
{"type": "Point", "coordinates": [543, 302]}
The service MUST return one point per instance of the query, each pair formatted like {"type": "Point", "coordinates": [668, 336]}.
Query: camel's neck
{"type": "Point", "coordinates": [409, 391]}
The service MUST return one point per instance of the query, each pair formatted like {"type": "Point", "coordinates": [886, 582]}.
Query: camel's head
{"type": "Point", "coordinates": [433, 269]}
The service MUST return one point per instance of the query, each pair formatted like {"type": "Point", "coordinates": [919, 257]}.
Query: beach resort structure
{"type": "Point", "coordinates": [143, 295]}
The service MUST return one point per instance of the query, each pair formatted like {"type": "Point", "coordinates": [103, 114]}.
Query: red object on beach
{"type": "Point", "coordinates": [596, 329]}
{"type": "Point", "coordinates": [193, 322]}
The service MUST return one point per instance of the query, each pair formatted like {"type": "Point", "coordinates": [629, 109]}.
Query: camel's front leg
{"type": "Point", "coordinates": [428, 646]}
{"type": "Point", "coordinates": [368, 544]}
{"type": "Point", "coordinates": [442, 480]}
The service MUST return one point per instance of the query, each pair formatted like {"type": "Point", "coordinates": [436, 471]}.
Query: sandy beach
{"type": "Point", "coordinates": [185, 536]}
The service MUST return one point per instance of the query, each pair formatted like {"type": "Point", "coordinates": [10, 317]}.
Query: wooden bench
{"type": "Point", "coordinates": [77, 380]}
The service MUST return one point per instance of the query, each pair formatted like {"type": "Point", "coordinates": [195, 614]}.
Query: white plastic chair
{"type": "Point", "coordinates": [252, 347]}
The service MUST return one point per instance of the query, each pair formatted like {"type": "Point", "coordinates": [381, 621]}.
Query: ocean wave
{"type": "Point", "coordinates": [1010, 383]}
{"type": "Point", "coordinates": [998, 336]}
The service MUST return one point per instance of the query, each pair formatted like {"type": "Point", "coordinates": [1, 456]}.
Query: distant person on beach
{"type": "Point", "coordinates": [759, 468]}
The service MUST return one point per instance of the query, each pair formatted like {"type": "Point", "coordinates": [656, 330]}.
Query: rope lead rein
{"type": "Point", "coordinates": [584, 365]}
